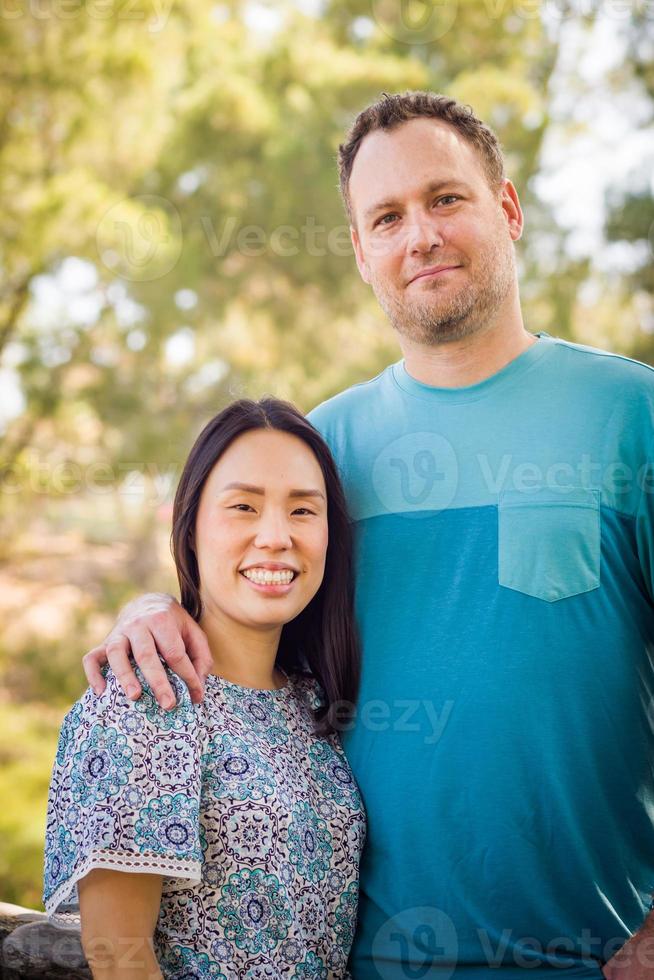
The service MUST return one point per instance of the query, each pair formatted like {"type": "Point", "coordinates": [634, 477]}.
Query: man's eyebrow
{"type": "Point", "coordinates": [249, 488]}
{"type": "Point", "coordinates": [433, 188]}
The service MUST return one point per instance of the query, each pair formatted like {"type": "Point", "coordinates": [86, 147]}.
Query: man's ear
{"type": "Point", "coordinates": [358, 254]}
{"type": "Point", "coordinates": [513, 212]}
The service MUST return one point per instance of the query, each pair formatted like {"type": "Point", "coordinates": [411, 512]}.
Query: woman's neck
{"type": "Point", "coordinates": [242, 655]}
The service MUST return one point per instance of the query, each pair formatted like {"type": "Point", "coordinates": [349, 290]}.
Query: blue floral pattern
{"type": "Point", "coordinates": [183, 714]}
{"type": "Point", "coordinates": [254, 911]}
{"type": "Point", "coordinates": [309, 843]}
{"type": "Point", "coordinates": [101, 766]}
{"type": "Point", "coordinates": [313, 968]}
{"type": "Point", "coordinates": [234, 769]}
{"type": "Point", "coordinates": [331, 770]}
{"type": "Point", "coordinates": [61, 853]}
{"type": "Point", "coordinates": [186, 964]}
{"type": "Point", "coordinates": [254, 823]}
{"type": "Point", "coordinates": [72, 721]}
{"type": "Point", "coordinates": [260, 714]}
{"type": "Point", "coordinates": [170, 823]}
{"type": "Point", "coordinates": [345, 916]}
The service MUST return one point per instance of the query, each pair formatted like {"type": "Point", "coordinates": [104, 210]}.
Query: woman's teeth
{"type": "Point", "coordinates": [264, 576]}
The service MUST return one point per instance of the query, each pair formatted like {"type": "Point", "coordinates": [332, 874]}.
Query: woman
{"type": "Point", "coordinates": [222, 840]}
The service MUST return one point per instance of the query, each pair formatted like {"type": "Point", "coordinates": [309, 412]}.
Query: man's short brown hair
{"type": "Point", "coordinates": [392, 110]}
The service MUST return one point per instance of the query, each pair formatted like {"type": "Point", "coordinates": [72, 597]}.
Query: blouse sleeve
{"type": "Point", "coordinates": [125, 793]}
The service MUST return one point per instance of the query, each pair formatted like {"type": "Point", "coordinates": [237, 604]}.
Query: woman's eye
{"type": "Point", "coordinates": [246, 507]}
{"type": "Point", "coordinates": [302, 511]}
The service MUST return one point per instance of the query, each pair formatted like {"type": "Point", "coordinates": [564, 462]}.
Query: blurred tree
{"type": "Point", "coordinates": [630, 209]}
{"type": "Point", "coordinates": [204, 194]}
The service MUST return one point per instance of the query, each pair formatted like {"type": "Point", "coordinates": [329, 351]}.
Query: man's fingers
{"type": "Point", "coordinates": [169, 634]}
{"type": "Point", "coordinates": [145, 652]}
{"type": "Point", "coordinates": [118, 651]}
{"type": "Point", "coordinates": [175, 654]}
{"type": "Point", "coordinates": [197, 648]}
{"type": "Point", "coordinates": [92, 662]}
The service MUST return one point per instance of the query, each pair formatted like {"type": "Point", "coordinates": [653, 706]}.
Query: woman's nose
{"type": "Point", "coordinates": [274, 533]}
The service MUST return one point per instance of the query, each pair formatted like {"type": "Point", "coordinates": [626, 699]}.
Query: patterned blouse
{"type": "Point", "coordinates": [255, 823]}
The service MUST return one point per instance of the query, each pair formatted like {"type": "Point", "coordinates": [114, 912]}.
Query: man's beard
{"type": "Point", "coordinates": [429, 320]}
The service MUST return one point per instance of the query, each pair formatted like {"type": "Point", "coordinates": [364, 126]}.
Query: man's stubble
{"type": "Point", "coordinates": [430, 319]}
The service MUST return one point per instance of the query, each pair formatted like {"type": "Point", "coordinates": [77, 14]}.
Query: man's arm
{"type": "Point", "coordinates": [150, 627]}
{"type": "Point", "coordinates": [635, 960]}
{"type": "Point", "coordinates": [119, 911]}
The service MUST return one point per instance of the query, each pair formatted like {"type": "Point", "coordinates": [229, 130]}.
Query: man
{"type": "Point", "coordinates": [501, 486]}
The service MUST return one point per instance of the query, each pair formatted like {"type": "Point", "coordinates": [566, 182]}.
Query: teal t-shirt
{"type": "Point", "coordinates": [504, 736]}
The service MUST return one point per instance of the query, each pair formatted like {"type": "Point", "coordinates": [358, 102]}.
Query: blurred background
{"type": "Point", "coordinates": [171, 237]}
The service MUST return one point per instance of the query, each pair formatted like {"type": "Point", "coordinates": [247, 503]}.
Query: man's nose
{"type": "Point", "coordinates": [424, 232]}
{"type": "Point", "coordinates": [273, 532]}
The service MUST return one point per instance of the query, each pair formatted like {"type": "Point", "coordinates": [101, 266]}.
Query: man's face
{"type": "Point", "coordinates": [430, 235]}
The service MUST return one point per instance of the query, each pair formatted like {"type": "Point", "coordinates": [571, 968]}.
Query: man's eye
{"type": "Point", "coordinates": [383, 221]}
{"type": "Point", "coordinates": [446, 198]}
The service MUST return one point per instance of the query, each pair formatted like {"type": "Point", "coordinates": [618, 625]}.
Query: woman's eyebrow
{"type": "Point", "coordinates": [249, 488]}
{"type": "Point", "coordinates": [307, 493]}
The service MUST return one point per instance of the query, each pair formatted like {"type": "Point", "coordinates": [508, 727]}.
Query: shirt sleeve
{"type": "Point", "coordinates": [124, 794]}
{"type": "Point", "coordinates": [645, 525]}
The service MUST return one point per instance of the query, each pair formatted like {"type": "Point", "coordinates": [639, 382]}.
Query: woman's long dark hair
{"type": "Point", "coordinates": [323, 636]}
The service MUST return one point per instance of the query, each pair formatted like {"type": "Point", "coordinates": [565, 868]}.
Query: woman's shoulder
{"type": "Point", "coordinates": [114, 705]}
{"type": "Point", "coordinates": [112, 724]}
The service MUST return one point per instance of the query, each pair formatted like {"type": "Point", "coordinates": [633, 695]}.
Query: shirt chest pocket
{"type": "Point", "coordinates": [549, 542]}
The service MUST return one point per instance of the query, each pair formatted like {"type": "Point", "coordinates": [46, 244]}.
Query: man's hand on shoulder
{"type": "Point", "coordinates": [635, 960]}
{"type": "Point", "coordinates": [151, 627]}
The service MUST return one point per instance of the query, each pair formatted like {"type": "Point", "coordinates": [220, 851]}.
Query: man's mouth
{"type": "Point", "coordinates": [434, 270]}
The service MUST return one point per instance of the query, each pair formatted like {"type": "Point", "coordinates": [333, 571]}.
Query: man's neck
{"type": "Point", "coordinates": [468, 361]}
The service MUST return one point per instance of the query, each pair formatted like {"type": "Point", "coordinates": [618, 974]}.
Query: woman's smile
{"type": "Point", "coordinates": [268, 580]}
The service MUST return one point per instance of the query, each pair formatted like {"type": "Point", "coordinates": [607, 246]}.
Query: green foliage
{"type": "Point", "coordinates": [28, 741]}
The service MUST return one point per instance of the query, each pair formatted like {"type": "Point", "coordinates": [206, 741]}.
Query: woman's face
{"type": "Point", "coordinates": [261, 530]}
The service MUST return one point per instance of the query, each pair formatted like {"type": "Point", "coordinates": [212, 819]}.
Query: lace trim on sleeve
{"type": "Point", "coordinates": [62, 906]}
